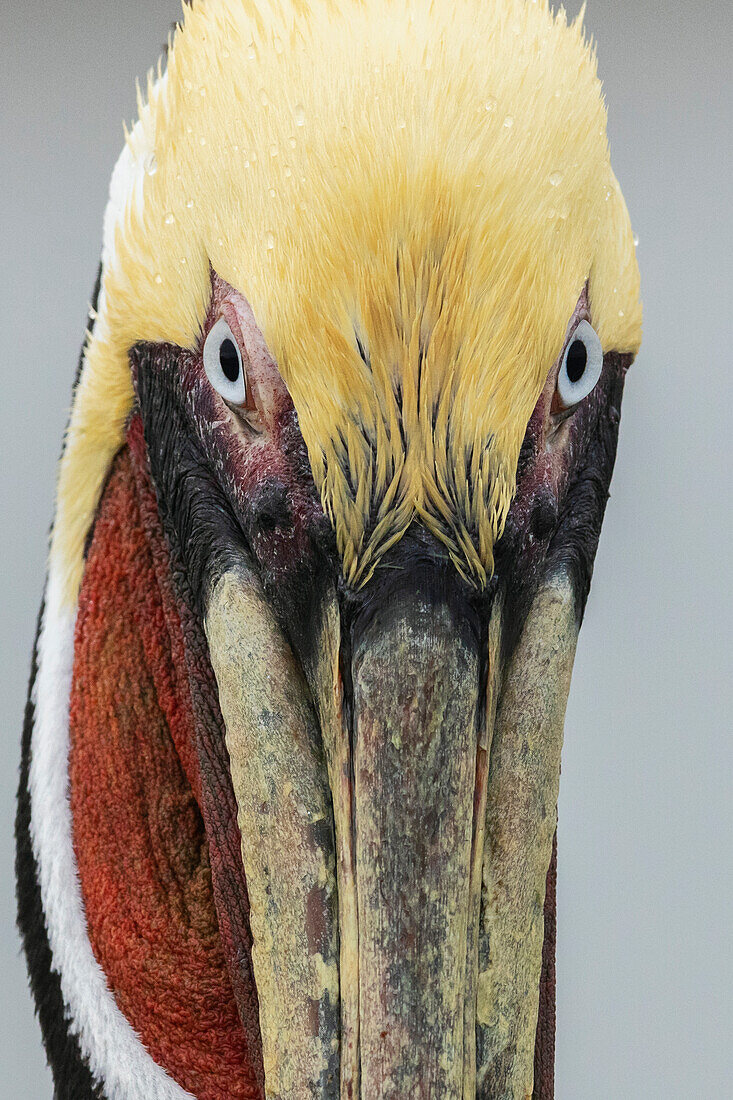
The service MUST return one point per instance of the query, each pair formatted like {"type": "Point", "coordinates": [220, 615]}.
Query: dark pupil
{"type": "Point", "coordinates": [576, 361]}
{"type": "Point", "coordinates": [229, 360]}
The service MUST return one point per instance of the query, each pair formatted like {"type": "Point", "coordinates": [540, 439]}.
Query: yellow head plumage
{"type": "Point", "coordinates": [428, 179]}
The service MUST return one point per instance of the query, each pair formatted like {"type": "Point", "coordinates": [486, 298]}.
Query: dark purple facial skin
{"type": "Point", "coordinates": [234, 482]}
{"type": "Point", "coordinates": [563, 474]}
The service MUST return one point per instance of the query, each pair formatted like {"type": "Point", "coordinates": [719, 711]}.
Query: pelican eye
{"type": "Point", "coordinates": [224, 365]}
{"type": "Point", "coordinates": [581, 366]}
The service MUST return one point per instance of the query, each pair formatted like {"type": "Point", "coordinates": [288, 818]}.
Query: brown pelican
{"type": "Point", "coordinates": [328, 505]}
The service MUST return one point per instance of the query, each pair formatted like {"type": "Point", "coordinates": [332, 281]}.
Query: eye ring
{"type": "Point", "coordinates": [581, 366]}
{"type": "Point", "coordinates": [224, 363]}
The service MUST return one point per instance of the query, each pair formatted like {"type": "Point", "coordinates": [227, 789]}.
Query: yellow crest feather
{"type": "Point", "coordinates": [412, 197]}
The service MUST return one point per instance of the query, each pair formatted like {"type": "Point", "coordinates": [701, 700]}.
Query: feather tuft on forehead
{"type": "Point", "coordinates": [412, 197]}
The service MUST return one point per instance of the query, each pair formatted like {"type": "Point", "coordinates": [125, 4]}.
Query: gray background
{"type": "Point", "coordinates": [645, 964]}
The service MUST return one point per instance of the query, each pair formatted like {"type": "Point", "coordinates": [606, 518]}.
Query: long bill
{"type": "Point", "coordinates": [397, 805]}
{"type": "Point", "coordinates": [416, 672]}
{"type": "Point", "coordinates": [284, 812]}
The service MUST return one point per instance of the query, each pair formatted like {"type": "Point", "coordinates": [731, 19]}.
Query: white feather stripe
{"type": "Point", "coordinates": [113, 1050]}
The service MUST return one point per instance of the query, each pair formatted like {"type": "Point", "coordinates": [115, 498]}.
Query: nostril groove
{"type": "Point", "coordinates": [268, 521]}
{"type": "Point", "coordinates": [270, 509]}
{"type": "Point", "coordinates": [544, 518]}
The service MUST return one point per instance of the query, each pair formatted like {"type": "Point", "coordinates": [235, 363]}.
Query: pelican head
{"type": "Point", "coordinates": [328, 506]}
